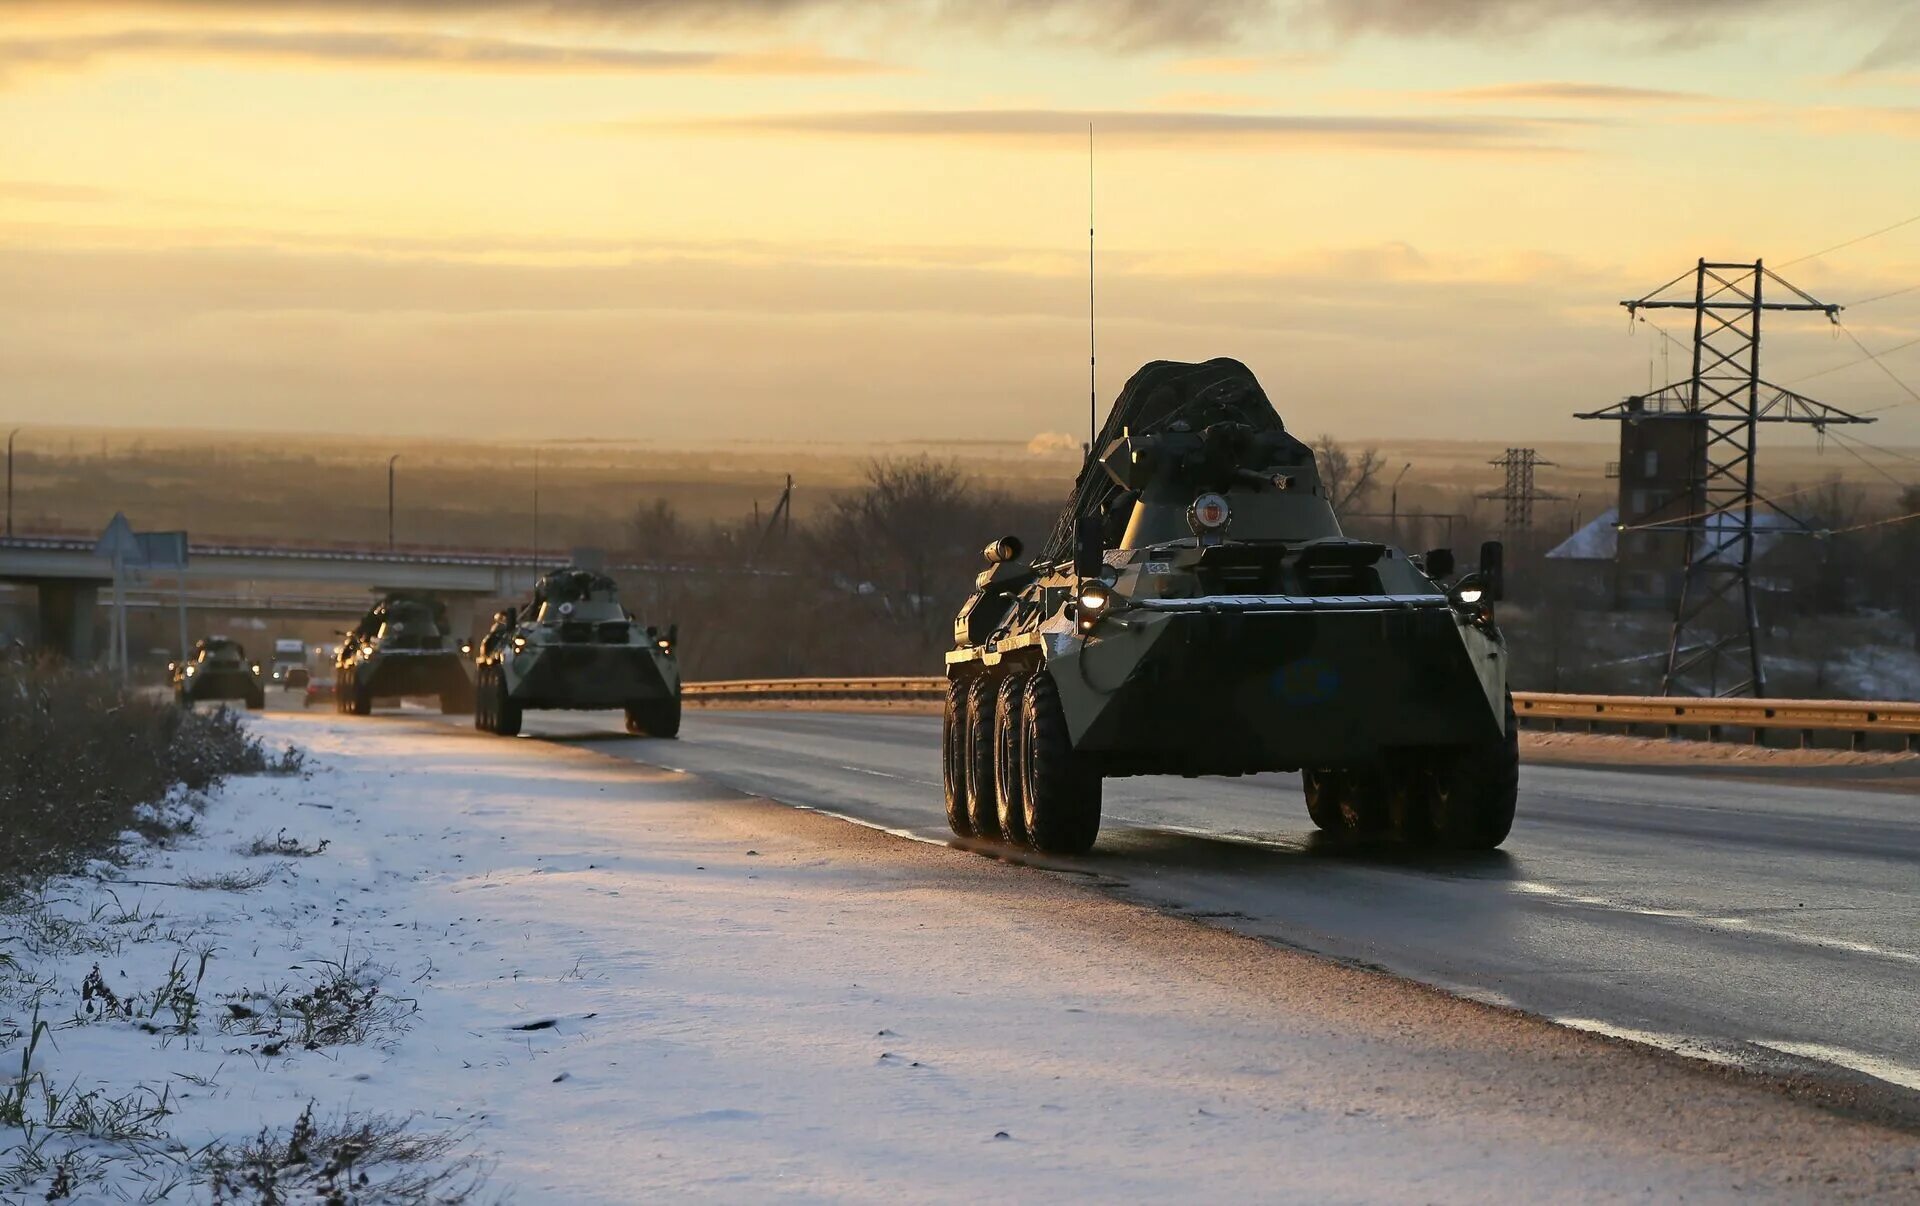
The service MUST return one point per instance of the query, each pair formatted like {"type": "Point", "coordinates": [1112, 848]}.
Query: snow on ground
{"type": "Point", "coordinates": [621, 984]}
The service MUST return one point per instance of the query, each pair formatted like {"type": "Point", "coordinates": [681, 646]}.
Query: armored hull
{"type": "Point", "coordinates": [1198, 611]}
{"type": "Point", "coordinates": [574, 646]}
{"type": "Point", "coordinates": [1236, 685]}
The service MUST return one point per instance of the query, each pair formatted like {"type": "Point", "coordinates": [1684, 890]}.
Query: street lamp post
{"type": "Point", "coordinates": [390, 461]}
{"type": "Point", "coordinates": [1393, 502]}
{"type": "Point", "coordinates": [10, 435]}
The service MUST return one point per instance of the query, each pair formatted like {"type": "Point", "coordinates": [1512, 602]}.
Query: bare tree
{"type": "Point", "coordinates": [657, 531]}
{"type": "Point", "coordinates": [1348, 477]}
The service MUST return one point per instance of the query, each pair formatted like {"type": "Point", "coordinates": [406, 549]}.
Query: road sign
{"type": "Point", "coordinates": [119, 542]}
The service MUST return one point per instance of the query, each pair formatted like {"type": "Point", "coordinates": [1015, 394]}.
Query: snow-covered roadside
{"type": "Point", "coordinates": [621, 984]}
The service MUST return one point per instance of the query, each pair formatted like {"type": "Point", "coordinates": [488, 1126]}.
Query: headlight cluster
{"type": "Point", "coordinates": [1093, 601]}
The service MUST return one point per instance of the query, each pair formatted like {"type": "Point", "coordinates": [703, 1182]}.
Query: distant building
{"type": "Point", "coordinates": [1662, 462]}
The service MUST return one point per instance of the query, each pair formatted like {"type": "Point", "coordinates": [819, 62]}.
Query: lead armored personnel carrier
{"type": "Point", "coordinates": [574, 646]}
{"type": "Point", "coordinates": [404, 645]}
{"type": "Point", "coordinates": [1197, 611]}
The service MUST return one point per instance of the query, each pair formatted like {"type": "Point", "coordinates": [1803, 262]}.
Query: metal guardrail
{"type": "Point", "coordinates": [771, 690]}
{"type": "Point", "coordinates": [1673, 715]}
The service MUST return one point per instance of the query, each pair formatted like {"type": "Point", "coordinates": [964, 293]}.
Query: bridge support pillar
{"type": "Point", "coordinates": [67, 613]}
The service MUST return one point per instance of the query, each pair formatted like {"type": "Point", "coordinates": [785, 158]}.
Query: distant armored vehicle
{"type": "Point", "coordinates": [574, 646]}
{"type": "Point", "coordinates": [218, 669]}
{"type": "Point", "coordinates": [1197, 611]}
{"type": "Point", "coordinates": [403, 646]}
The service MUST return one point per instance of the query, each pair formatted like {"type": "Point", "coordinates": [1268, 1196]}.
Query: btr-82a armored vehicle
{"type": "Point", "coordinates": [217, 669]}
{"type": "Point", "coordinates": [404, 645]}
{"type": "Point", "coordinates": [574, 646]}
{"type": "Point", "coordinates": [1197, 611]}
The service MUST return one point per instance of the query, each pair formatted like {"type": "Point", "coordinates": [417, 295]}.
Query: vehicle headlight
{"type": "Point", "coordinates": [366, 651]}
{"type": "Point", "coordinates": [256, 668]}
{"type": "Point", "coordinates": [665, 645]}
{"type": "Point", "coordinates": [466, 646]}
{"type": "Point", "coordinates": [192, 670]}
{"type": "Point", "coordinates": [519, 643]}
{"type": "Point", "coordinates": [1094, 596]}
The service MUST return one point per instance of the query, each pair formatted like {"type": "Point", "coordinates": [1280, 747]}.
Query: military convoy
{"type": "Point", "coordinates": [573, 645]}
{"type": "Point", "coordinates": [403, 646]}
{"type": "Point", "coordinates": [217, 669]}
{"type": "Point", "coordinates": [1197, 611]}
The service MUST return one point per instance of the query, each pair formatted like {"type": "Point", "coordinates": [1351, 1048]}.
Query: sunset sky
{"type": "Point", "coordinates": [720, 219]}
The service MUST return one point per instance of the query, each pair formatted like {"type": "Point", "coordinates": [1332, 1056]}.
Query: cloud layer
{"type": "Point", "coordinates": [436, 51]}
{"type": "Point", "coordinates": [1152, 129]}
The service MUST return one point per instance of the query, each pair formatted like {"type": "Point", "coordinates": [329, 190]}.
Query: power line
{"type": "Point", "coordinates": [1881, 296]}
{"type": "Point", "coordinates": [1845, 446]}
{"type": "Point", "coordinates": [1891, 375]}
{"type": "Point", "coordinates": [1898, 347]}
{"type": "Point", "coordinates": [1814, 255]}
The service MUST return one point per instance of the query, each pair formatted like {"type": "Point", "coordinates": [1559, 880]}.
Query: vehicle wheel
{"type": "Point", "coordinates": [654, 718]}
{"type": "Point", "coordinates": [1009, 714]}
{"type": "Point", "coordinates": [183, 700]}
{"type": "Point", "coordinates": [953, 757]}
{"type": "Point", "coordinates": [1061, 792]}
{"type": "Point", "coordinates": [1475, 790]}
{"type": "Point", "coordinates": [983, 805]}
{"type": "Point", "coordinates": [507, 714]}
{"type": "Point", "coordinates": [1351, 802]}
{"type": "Point", "coordinates": [482, 699]}
{"type": "Point", "coordinates": [359, 700]}
{"type": "Point", "coordinates": [256, 699]}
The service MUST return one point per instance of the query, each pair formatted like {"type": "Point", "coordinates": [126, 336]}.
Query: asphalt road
{"type": "Point", "coordinates": [1765, 923]}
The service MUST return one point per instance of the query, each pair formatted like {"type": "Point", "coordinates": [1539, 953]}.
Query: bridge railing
{"type": "Point", "coordinates": [1711, 719]}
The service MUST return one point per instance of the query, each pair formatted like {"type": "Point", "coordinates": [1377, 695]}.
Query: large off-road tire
{"type": "Point", "coordinates": [953, 757]}
{"type": "Point", "coordinates": [1009, 758]}
{"type": "Point", "coordinates": [256, 699]}
{"type": "Point", "coordinates": [359, 699]}
{"type": "Point", "coordinates": [507, 713]}
{"type": "Point", "coordinates": [983, 805]}
{"type": "Point", "coordinates": [1351, 803]}
{"type": "Point", "coordinates": [1061, 792]}
{"type": "Point", "coordinates": [182, 700]}
{"type": "Point", "coordinates": [483, 700]}
{"type": "Point", "coordinates": [654, 718]}
{"type": "Point", "coordinates": [1474, 790]}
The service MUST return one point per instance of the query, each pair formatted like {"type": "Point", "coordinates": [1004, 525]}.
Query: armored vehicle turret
{"type": "Point", "coordinates": [573, 645]}
{"type": "Point", "coordinates": [1198, 611]}
{"type": "Point", "coordinates": [217, 669]}
{"type": "Point", "coordinates": [404, 645]}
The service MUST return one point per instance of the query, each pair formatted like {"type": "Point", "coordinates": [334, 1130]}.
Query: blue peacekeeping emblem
{"type": "Point", "coordinates": [1310, 680]}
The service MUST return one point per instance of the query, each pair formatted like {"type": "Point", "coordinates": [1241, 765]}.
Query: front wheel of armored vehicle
{"type": "Point", "coordinates": [502, 710]}
{"type": "Point", "coordinates": [1010, 718]}
{"type": "Point", "coordinates": [654, 718]}
{"type": "Point", "coordinates": [359, 700]}
{"type": "Point", "coordinates": [953, 757]}
{"type": "Point", "coordinates": [1351, 803]}
{"type": "Point", "coordinates": [256, 699]}
{"type": "Point", "coordinates": [1473, 794]}
{"type": "Point", "coordinates": [983, 804]}
{"type": "Point", "coordinates": [483, 718]}
{"type": "Point", "coordinates": [1061, 792]}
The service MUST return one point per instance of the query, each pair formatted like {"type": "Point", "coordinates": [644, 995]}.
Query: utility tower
{"type": "Point", "coordinates": [1520, 493]}
{"type": "Point", "coordinates": [1722, 403]}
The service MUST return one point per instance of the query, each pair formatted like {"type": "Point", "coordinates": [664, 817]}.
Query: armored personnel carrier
{"type": "Point", "coordinates": [217, 669]}
{"type": "Point", "coordinates": [574, 646]}
{"type": "Point", "coordinates": [404, 645]}
{"type": "Point", "coordinates": [1197, 611]}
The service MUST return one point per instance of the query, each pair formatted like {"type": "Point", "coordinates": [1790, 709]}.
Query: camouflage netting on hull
{"type": "Point", "coordinates": [1217, 391]}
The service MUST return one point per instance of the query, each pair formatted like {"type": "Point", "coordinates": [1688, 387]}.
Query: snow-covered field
{"type": "Point", "coordinates": [599, 982]}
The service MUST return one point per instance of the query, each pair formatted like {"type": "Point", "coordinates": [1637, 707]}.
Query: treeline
{"type": "Point", "coordinates": [869, 585]}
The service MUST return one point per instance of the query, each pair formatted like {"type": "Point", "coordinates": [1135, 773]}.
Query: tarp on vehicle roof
{"type": "Point", "coordinates": [1221, 390]}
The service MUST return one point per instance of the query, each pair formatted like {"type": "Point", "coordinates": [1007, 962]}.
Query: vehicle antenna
{"type": "Point", "coordinates": [1093, 389]}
